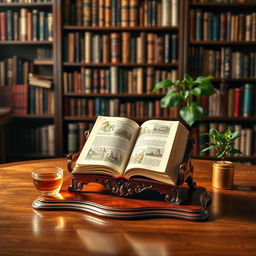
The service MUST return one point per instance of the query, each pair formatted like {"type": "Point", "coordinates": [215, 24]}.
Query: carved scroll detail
{"type": "Point", "coordinates": [123, 187]}
{"type": "Point", "coordinates": [76, 186]}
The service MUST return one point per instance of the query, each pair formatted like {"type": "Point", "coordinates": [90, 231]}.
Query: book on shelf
{"type": "Point", "coordinates": [115, 80]}
{"type": "Point", "coordinates": [124, 47]}
{"type": "Point", "coordinates": [40, 81]}
{"type": "Point", "coordinates": [120, 147]}
{"type": "Point", "coordinates": [117, 107]}
{"type": "Point", "coordinates": [223, 26]}
{"type": "Point", "coordinates": [26, 25]}
{"type": "Point", "coordinates": [122, 13]}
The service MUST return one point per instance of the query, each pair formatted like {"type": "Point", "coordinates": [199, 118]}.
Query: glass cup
{"type": "Point", "coordinates": [48, 180]}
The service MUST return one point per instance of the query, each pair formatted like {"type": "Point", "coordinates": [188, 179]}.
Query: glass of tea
{"type": "Point", "coordinates": [48, 180]}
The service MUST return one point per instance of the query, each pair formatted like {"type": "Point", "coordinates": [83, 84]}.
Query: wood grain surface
{"type": "Point", "coordinates": [230, 230]}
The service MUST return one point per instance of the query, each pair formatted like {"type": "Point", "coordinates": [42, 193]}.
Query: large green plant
{"type": "Point", "coordinates": [187, 93]}
{"type": "Point", "coordinates": [223, 143]}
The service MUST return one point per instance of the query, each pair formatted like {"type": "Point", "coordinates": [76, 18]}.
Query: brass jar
{"type": "Point", "coordinates": [223, 175]}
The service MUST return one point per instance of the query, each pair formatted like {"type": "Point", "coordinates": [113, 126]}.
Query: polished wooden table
{"type": "Point", "coordinates": [230, 230]}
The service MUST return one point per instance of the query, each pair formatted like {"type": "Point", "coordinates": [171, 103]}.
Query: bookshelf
{"type": "Point", "coordinates": [23, 37]}
{"type": "Point", "coordinates": [75, 102]}
{"type": "Point", "coordinates": [225, 34]}
{"type": "Point", "coordinates": [129, 100]}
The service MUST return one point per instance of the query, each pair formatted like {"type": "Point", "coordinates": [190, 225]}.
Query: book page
{"type": "Point", "coordinates": [153, 145]}
{"type": "Point", "coordinates": [110, 143]}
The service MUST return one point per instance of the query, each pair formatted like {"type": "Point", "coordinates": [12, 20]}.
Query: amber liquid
{"type": "Point", "coordinates": [48, 184]}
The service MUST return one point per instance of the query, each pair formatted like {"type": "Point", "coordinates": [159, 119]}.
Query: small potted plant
{"type": "Point", "coordinates": [223, 171]}
{"type": "Point", "coordinates": [187, 93]}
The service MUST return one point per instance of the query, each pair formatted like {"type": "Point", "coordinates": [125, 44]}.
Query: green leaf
{"type": "Point", "coordinates": [188, 78]}
{"type": "Point", "coordinates": [191, 113]}
{"type": "Point", "coordinates": [220, 154]}
{"type": "Point", "coordinates": [235, 151]}
{"type": "Point", "coordinates": [184, 94]}
{"type": "Point", "coordinates": [206, 149]}
{"type": "Point", "coordinates": [196, 91]}
{"type": "Point", "coordinates": [171, 99]}
{"type": "Point", "coordinates": [207, 88]}
{"type": "Point", "coordinates": [163, 84]}
{"type": "Point", "coordinates": [234, 136]}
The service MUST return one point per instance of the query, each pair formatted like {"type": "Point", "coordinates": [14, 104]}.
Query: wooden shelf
{"type": "Point", "coordinates": [114, 95]}
{"type": "Point", "coordinates": [229, 119]}
{"type": "Point", "coordinates": [26, 42]}
{"type": "Point", "coordinates": [230, 158]}
{"type": "Point", "coordinates": [85, 28]}
{"type": "Point", "coordinates": [43, 62]}
{"type": "Point", "coordinates": [30, 116]}
{"type": "Point", "coordinates": [235, 80]}
{"type": "Point", "coordinates": [223, 5]}
{"type": "Point", "coordinates": [223, 43]}
{"type": "Point", "coordinates": [76, 64]}
{"type": "Point", "coordinates": [93, 118]}
{"type": "Point", "coordinates": [27, 5]}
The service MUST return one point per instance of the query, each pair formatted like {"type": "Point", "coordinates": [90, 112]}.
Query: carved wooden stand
{"type": "Point", "coordinates": [127, 187]}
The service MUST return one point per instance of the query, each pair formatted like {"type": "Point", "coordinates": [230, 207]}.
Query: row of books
{"type": "Point", "coordinates": [226, 26]}
{"type": "Point", "coordinates": [39, 140]}
{"type": "Point", "coordinates": [231, 102]}
{"type": "Point", "coordinates": [76, 137]}
{"type": "Point", "coordinates": [121, 47]}
{"type": "Point", "coordinates": [26, 25]}
{"type": "Point", "coordinates": [226, 1]}
{"type": "Point", "coordinates": [24, 99]}
{"type": "Point", "coordinates": [246, 143]}
{"type": "Point", "coordinates": [115, 80]}
{"type": "Point", "coordinates": [25, 1]}
{"type": "Point", "coordinates": [117, 107]}
{"type": "Point", "coordinates": [223, 63]}
{"type": "Point", "coordinates": [121, 13]}
{"type": "Point", "coordinates": [14, 71]}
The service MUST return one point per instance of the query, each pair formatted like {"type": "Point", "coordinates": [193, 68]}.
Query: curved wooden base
{"type": "Point", "coordinates": [99, 201]}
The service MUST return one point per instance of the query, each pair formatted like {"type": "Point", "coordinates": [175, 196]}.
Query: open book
{"type": "Point", "coordinates": [118, 146]}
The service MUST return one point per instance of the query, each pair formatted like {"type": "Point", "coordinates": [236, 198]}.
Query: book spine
{"type": "Point", "coordinates": [134, 11]}
{"type": "Point", "coordinates": [115, 41]}
{"type": "Point", "coordinates": [108, 19]}
{"type": "Point", "coordinates": [23, 24]}
{"type": "Point", "coordinates": [95, 13]}
{"type": "Point", "coordinates": [125, 13]}
{"type": "Point", "coordinates": [248, 98]}
{"type": "Point", "coordinates": [101, 13]}
{"type": "Point", "coordinates": [9, 22]}
{"type": "Point", "coordinates": [42, 23]}
{"type": "Point", "coordinates": [166, 9]}
{"type": "Point", "coordinates": [35, 22]}
{"type": "Point", "coordinates": [72, 137]}
{"type": "Point", "coordinates": [126, 47]}
{"type": "Point", "coordinates": [237, 102]}
{"type": "Point", "coordinates": [87, 12]}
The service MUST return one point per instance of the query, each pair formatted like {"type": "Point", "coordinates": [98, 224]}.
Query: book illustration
{"type": "Point", "coordinates": [161, 129]}
{"type": "Point", "coordinates": [124, 133]}
{"type": "Point", "coordinates": [105, 154]}
{"type": "Point", "coordinates": [154, 152]}
{"type": "Point", "coordinates": [138, 156]}
{"type": "Point", "coordinates": [146, 130]}
{"type": "Point", "coordinates": [114, 156]}
{"type": "Point", "coordinates": [108, 127]}
{"type": "Point", "coordinates": [97, 153]}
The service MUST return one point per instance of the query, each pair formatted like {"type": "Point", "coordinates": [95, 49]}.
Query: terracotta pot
{"type": "Point", "coordinates": [223, 175]}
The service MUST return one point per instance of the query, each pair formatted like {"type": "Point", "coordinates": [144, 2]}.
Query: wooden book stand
{"type": "Point", "coordinates": [127, 187]}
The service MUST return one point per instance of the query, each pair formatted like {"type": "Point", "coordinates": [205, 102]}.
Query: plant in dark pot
{"type": "Point", "coordinates": [186, 93]}
{"type": "Point", "coordinates": [223, 144]}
